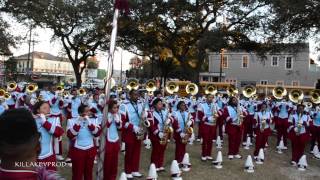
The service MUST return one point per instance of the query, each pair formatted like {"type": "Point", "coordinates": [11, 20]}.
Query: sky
{"type": "Point", "coordinates": [44, 43]}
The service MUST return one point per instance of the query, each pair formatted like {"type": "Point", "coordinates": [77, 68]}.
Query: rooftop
{"type": "Point", "coordinates": [41, 55]}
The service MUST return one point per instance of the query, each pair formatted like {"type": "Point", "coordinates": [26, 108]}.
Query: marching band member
{"type": "Point", "coordinates": [19, 144]}
{"type": "Point", "coordinates": [248, 122]}
{"type": "Point", "coordinates": [220, 121]}
{"type": "Point", "coordinates": [183, 120]}
{"type": "Point", "coordinates": [73, 104]}
{"type": "Point", "coordinates": [263, 119]}
{"type": "Point", "coordinates": [207, 114]}
{"type": "Point", "coordinates": [49, 128]}
{"type": "Point", "coordinates": [159, 121]}
{"type": "Point", "coordinates": [283, 111]}
{"type": "Point", "coordinates": [81, 131]}
{"type": "Point", "coordinates": [315, 127]}
{"type": "Point", "coordinates": [233, 115]}
{"type": "Point", "coordinates": [56, 104]}
{"type": "Point", "coordinates": [133, 112]}
{"type": "Point", "coordinates": [3, 105]}
{"type": "Point", "coordinates": [112, 146]}
{"type": "Point", "coordinates": [298, 123]}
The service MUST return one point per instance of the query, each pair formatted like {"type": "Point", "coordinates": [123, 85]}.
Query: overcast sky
{"type": "Point", "coordinates": [44, 43]}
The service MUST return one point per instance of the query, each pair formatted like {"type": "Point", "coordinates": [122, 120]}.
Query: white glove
{"type": "Point", "coordinates": [136, 129]}
{"type": "Point", "coordinates": [117, 118]}
{"type": "Point", "coordinates": [210, 119]}
{"type": "Point", "coordinates": [182, 135]}
{"type": "Point", "coordinates": [168, 121]}
{"type": "Point", "coordinates": [43, 118]}
{"type": "Point", "coordinates": [295, 129]}
{"type": "Point", "coordinates": [189, 123]}
{"type": "Point", "coordinates": [160, 135]}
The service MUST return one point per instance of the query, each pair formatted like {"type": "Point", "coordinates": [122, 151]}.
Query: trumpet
{"type": "Point", "coordinates": [279, 92]}
{"type": "Point", "coordinates": [82, 92]}
{"type": "Point", "coordinates": [263, 125]}
{"type": "Point", "coordinates": [192, 89]}
{"type": "Point", "coordinates": [11, 86]}
{"type": "Point", "coordinates": [249, 91]}
{"type": "Point", "coordinates": [315, 96]}
{"type": "Point", "coordinates": [211, 89]}
{"type": "Point", "coordinates": [296, 96]}
{"type": "Point", "coordinates": [188, 130]}
{"type": "Point", "coordinates": [31, 88]}
{"type": "Point", "coordinates": [133, 84]}
{"type": "Point", "coordinates": [172, 87]}
{"type": "Point", "coordinates": [232, 90]}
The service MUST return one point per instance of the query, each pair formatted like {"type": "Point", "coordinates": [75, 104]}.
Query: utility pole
{"type": "Point", "coordinates": [29, 52]}
{"type": "Point", "coordinates": [121, 67]}
{"type": "Point", "coordinates": [221, 64]}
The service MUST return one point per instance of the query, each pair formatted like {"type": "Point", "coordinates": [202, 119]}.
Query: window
{"type": "Point", "coordinates": [231, 81]}
{"type": "Point", "coordinates": [289, 62]}
{"type": "Point", "coordinates": [279, 83]}
{"type": "Point", "coordinates": [274, 61]}
{"type": "Point", "coordinates": [295, 83]}
{"type": "Point", "coordinates": [264, 82]}
{"type": "Point", "coordinates": [245, 61]}
{"type": "Point", "coordinates": [225, 62]}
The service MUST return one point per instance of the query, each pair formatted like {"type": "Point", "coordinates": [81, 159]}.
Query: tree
{"type": "Point", "coordinates": [294, 19]}
{"type": "Point", "coordinates": [10, 70]}
{"type": "Point", "coordinates": [179, 25]}
{"type": "Point", "coordinates": [82, 26]}
{"type": "Point", "coordinates": [6, 39]}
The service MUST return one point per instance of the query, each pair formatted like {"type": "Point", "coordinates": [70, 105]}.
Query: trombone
{"type": "Point", "coordinates": [172, 87]}
{"type": "Point", "coordinates": [296, 96]}
{"type": "Point", "coordinates": [279, 92]}
{"type": "Point", "coordinates": [211, 89]}
{"type": "Point", "coordinates": [192, 89]}
{"type": "Point", "coordinates": [249, 91]}
{"type": "Point", "coordinates": [132, 84]}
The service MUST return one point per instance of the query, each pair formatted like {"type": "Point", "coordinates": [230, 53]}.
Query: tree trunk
{"type": "Point", "coordinates": [78, 78]}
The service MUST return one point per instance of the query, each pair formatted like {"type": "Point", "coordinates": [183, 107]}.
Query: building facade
{"type": "Point", "coordinates": [286, 68]}
{"type": "Point", "coordinates": [43, 67]}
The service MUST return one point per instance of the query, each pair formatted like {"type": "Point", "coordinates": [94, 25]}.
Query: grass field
{"type": "Point", "coordinates": [276, 166]}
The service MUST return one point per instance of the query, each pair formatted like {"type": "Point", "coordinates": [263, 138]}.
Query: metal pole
{"type": "Point", "coordinates": [121, 68]}
{"type": "Point", "coordinates": [29, 43]}
{"type": "Point", "coordinates": [107, 95]}
{"type": "Point", "coordinates": [221, 61]}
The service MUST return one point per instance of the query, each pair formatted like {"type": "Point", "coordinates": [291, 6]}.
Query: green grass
{"type": "Point", "coordinates": [276, 166]}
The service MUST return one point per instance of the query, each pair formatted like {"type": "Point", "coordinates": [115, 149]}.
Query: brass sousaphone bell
{"type": "Point", "coordinates": [172, 87]}
{"type": "Point", "coordinates": [192, 89]}
{"type": "Point", "coordinates": [151, 85]}
{"type": "Point", "coordinates": [249, 91]}
{"type": "Point", "coordinates": [232, 90]}
{"type": "Point", "coordinates": [132, 84]}
{"type": "Point", "coordinates": [296, 96]}
{"type": "Point", "coordinates": [11, 86]}
{"type": "Point", "coordinates": [31, 88]}
{"type": "Point", "coordinates": [210, 89]}
{"type": "Point", "coordinates": [279, 92]}
{"type": "Point", "coordinates": [315, 96]}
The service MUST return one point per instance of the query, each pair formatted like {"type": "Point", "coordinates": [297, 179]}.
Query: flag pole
{"type": "Point", "coordinates": [107, 94]}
